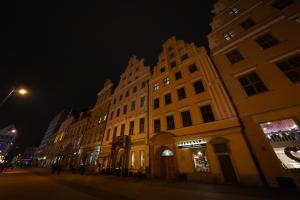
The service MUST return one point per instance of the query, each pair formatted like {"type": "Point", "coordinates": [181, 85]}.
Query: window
{"type": "Point", "coordinates": [281, 4]}
{"type": "Point", "coordinates": [127, 94]}
{"type": "Point", "coordinates": [192, 68]}
{"type": "Point", "coordinates": [266, 41]}
{"type": "Point", "coordinates": [252, 84]}
{"type": "Point", "coordinates": [111, 115]}
{"type": "Point", "coordinates": [156, 103]}
{"type": "Point", "coordinates": [134, 89]}
{"type": "Point", "coordinates": [156, 86]}
{"type": "Point", "coordinates": [234, 56]}
{"type": "Point", "coordinates": [181, 93]}
{"type": "Point", "coordinates": [143, 100]}
{"type": "Point", "coordinates": [170, 48]}
{"type": "Point", "coordinates": [132, 106]}
{"type": "Point", "coordinates": [291, 67]}
{"type": "Point", "coordinates": [184, 57]}
{"type": "Point", "coordinates": [125, 109]}
{"type": "Point", "coordinates": [173, 64]}
{"type": "Point", "coordinates": [162, 70]}
{"type": "Point", "coordinates": [229, 35]}
{"type": "Point", "coordinates": [144, 84]}
{"type": "Point", "coordinates": [167, 153]}
{"type": "Point", "coordinates": [170, 122]}
{"type": "Point", "coordinates": [132, 160]}
{"type": "Point", "coordinates": [200, 159]}
{"type": "Point", "coordinates": [131, 128]}
{"type": "Point", "coordinates": [156, 125]}
{"type": "Point", "coordinates": [198, 86]}
{"type": "Point", "coordinates": [186, 118]}
{"type": "Point", "coordinates": [142, 125]}
{"type": "Point", "coordinates": [118, 112]}
{"type": "Point", "coordinates": [142, 159]}
{"type": "Point", "coordinates": [248, 23]}
{"type": "Point", "coordinates": [115, 100]}
{"type": "Point", "coordinates": [207, 114]}
{"type": "Point", "coordinates": [104, 117]}
{"type": "Point", "coordinates": [297, 19]}
{"type": "Point", "coordinates": [171, 55]}
{"type": "Point", "coordinates": [166, 81]}
{"type": "Point", "coordinates": [121, 97]}
{"type": "Point", "coordinates": [233, 11]}
{"type": "Point", "coordinates": [107, 134]}
{"type": "Point", "coordinates": [178, 75]}
{"type": "Point", "coordinates": [168, 99]}
{"type": "Point", "coordinates": [122, 130]}
{"type": "Point", "coordinates": [115, 132]}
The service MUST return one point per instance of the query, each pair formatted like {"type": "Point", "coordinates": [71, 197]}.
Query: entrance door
{"type": "Point", "coordinates": [227, 169]}
{"type": "Point", "coordinates": [167, 168]}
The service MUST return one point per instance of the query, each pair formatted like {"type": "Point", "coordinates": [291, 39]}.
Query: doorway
{"type": "Point", "coordinates": [227, 169]}
{"type": "Point", "coordinates": [167, 167]}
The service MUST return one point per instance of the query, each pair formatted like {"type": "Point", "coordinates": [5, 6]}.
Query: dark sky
{"type": "Point", "coordinates": [63, 52]}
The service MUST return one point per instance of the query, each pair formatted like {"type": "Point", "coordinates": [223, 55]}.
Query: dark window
{"type": "Point", "coordinates": [115, 100]}
{"type": "Point", "coordinates": [162, 70]}
{"type": "Point", "coordinates": [173, 64]}
{"type": "Point", "coordinates": [171, 55]}
{"type": "Point", "coordinates": [118, 112]}
{"type": "Point", "coordinates": [115, 132]}
{"type": "Point", "coordinates": [121, 97]}
{"type": "Point", "coordinates": [266, 41]}
{"type": "Point", "coordinates": [125, 109]}
{"type": "Point", "coordinates": [192, 68]}
{"type": "Point", "coordinates": [221, 148]}
{"type": "Point", "coordinates": [156, 103]}
{"type": "Point", "coordinates": [248, 23]}
{"type": "Point", "coordinates": [142, 125]}
{"type": "Point", "coordinates": [170, 48]}
{"type": "Point", "coordinates": [132, 106]}
{"type": "Point", "coordinates": [143, 101]}
{"type": "Point", "coordinates": [111, 115]}
{"type": "Point", "coordinates": [198, 86]}
{"type": "Point", "coordinates": [127, 94]}
{"type": "Point", "coordinates": [184, 57]}
{"type": "Point", "coordinates": [178, 75]}
{"type": "Point", "coordinates": [168, 99]}
{"type": "Point", "coordinates": [134, 89]}
{"type": "Point", "coordinates": [107, 134]}
{"type": "Point", "coordinates": [131, 128]}
{"type": "Point", "coordinates": [252, 84]}
{"type": "Point", "coordinates": [234, 56]}
{"type": "Point", "coordinates": [207, 114]}
{"type": "Point", "coordinates": [291, 67]}
{"type": "Point", "coordinates": [156, 125]}
{"type": "Point", "coordinates": [186, 118]}
{"type": "Point", "coordinates": [181, 93]}
{"type": "Point", "coordinates": [144, 84]}
{"type": "Point", "coordinates": [122, 130]}
{"type": "Point", "coordinates": [281, 4]}
{"type": "Point", "coordinates": [170, 122]}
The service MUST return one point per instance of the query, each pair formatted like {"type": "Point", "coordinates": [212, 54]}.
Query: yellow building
{"type": "Point", "coordinates": [256, 48]}
{"type": "Point", "coordinates": [194, 132]}
{"type": "Point", "coordinates": [90, 146]}
{"type": "Point", "coordinates": [125, 142]}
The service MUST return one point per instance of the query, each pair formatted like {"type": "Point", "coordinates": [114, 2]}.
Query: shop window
{"type": "Point", "coordinates": [234, 56]}
{"type": "Point", "coordinates": [181, 93]}
{"type": "Point", "coordinates": [132, 160]}
{"type": "Point", "coordinates": [200, 161]}
{"type": "Point", "coordinates": [178, 75]}
{"type": "Point", "coordinates": [207, 114]}
{"type": "Point", "coordinates": [167, 153]}
{"type": "Point", "coordinates": [170, 122]}
{"type": "Point", "coordinates": [156, 103]}
{"type": "Point", "coordinates": [168, 99]}
{"type": "Point", "coordinates": [156, 125]}
{"type": "Point", "coordinates": [131, 128]}
{"type": "Point", "coordinates": [198, 86]}
{"type": "Point", "coordinates": [266, 41]}
{"type": "Point", "coordinates": [142, 159]}
{"type": "Point", "coordinates": [284, 137]}
{"type": "Point", "coordinates": [192, 68]}
{"type": "Point", "coordinates": [281, 4]}
{"type": "Point", "coordinates": [291, 67]}
{"type": "Point", "coordinates": [186, 118]}
{"type": "Point", "coordinates": [132, 108]}
{"type": "Point", "coordinates": [142, 125]}
{"type": "Point", "coordinates": [143, 100]}
{"type": "Point", "coordinates": [252, 84]}
{"type": "Point", "coordinates": [166, 81]}
{"type": "Point", "coordinates": [248, 23]}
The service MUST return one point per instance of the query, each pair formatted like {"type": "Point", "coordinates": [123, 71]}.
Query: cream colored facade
{"type": "Point", "coordinates": [90, 146]}
{"type": "Point", "coordinates": [205, 144]}
{"type": "Point", "coordinates": [256, 48]}
{"type": "Point", "coordinates": [126, 137]}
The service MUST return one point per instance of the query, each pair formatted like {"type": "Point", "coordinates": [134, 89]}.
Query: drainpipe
{"type": "Point", "coordinates": [256, 162]}
{"type": "Point", "coordinates": [148, 126]}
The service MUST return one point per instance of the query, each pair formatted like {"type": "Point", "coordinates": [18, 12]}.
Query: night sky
{"type": "Point", "coordinates": [64, 52]}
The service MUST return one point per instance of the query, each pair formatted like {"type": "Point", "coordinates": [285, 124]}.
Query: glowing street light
{"type": "Point", "coordinates": [20, 91]}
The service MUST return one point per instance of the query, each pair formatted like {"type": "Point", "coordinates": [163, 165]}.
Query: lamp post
{"type": "Point", "coordinates": [20, 91]}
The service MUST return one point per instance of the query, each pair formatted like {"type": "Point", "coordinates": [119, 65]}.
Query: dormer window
{"type": "Point", "coordinates": [233, 11]}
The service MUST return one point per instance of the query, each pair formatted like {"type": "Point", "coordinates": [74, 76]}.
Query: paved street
{"type": "Point", "coordinates": [40, 184]}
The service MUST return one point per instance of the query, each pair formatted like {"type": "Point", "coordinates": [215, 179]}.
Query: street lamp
{"type": "Point", "coordinates": [20, 91]}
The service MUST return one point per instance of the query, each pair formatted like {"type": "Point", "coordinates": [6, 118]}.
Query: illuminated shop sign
{"type": "Point", "coordinates": [191, 143]}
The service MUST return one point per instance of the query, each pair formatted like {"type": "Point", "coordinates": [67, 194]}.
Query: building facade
{"type": "Point", "coordinates": [194, 131]}
{"type": "Point", "coordinates": [7, 139]}
{"type": "Point", "coordinates": [90, 146]}
{"type": "Point", "coordinates": [255, 46]}
{"type": "Point", "coordinates": [126, 137]}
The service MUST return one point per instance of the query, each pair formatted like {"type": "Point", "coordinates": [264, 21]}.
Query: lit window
{"type": "Point", "coordinates": [104, 118]}
{"type": "Point", "coordinates": [166, 81]}
{"type": "Point", "coordinates": [297, 19]}
{"type": "Point", "coordinates": [233, 11]}
{"type": "Point", "coordinates": [200, 159]}
{"type": "Point", "coordinates": [142, 159]}
{"type": "Point", "coordinates": [156, 86]}
{"type": "Point", "coordinates": [167, 152]}
{"type": "Point", "coordinates": [229, 35]}
{"type": "Point", "coordinates": [132, 160]}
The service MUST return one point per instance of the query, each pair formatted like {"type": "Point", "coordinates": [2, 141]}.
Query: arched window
{"type": "Point", "coordinates": [167, 152]}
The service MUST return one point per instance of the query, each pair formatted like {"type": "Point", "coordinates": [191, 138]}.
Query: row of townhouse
{"type": "Point", "coordinates": [235, 121]}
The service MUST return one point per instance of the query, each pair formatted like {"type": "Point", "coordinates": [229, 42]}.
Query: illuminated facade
{"type": "Point", "coordinates": [194, 132]}
{"type": "Point", "coordinates": [255, 46]}
{"type": "Point", "coordinates": [124, 146]}
{"type": "Point", "coordinates": [90, 146]}
{"type": "Point", "coordinates": [7, 139]}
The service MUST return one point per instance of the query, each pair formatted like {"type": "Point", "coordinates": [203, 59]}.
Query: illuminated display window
{"type": "Point", "coordinates": [132, 160]}
{"type": "Point", "coordinates": [142, 159]}
{"type": "Point", "coordinates": [284, 137]}
{"type": "Point", "coordinates": [200, 159]}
